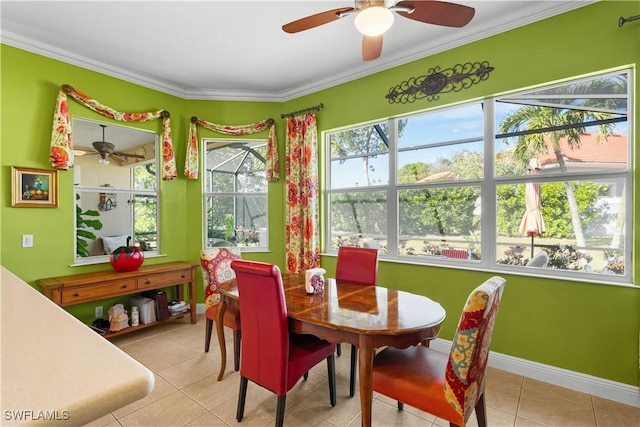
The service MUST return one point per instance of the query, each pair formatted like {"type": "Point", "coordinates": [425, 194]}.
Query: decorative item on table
{"type": "Point", "coordinates": [127, 258]}
{"type": "Point", "coordinates": [314, 280]}
{"type": "Point", "coordinates": [177, 307]}
{"type": "Point", "coordinates": [118, 318]}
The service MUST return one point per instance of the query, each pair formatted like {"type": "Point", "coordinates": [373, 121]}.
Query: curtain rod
{"type": "Point", "coordinates": [304, 110]}
{"type": "Point", "coordinates": [622, 20]}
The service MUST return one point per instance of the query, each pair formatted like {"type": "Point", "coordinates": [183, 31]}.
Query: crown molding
{"type": "Point", "coordinates": [172, 88]}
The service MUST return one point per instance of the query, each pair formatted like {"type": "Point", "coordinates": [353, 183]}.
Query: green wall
{"type": "Point", "coordinates": [582, 327]}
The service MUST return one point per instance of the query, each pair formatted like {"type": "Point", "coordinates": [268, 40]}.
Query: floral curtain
{"type": "Point", "coordinates": [191, 162]}
{"type": "Point", "coordinates": [302, 216]}
{"type": "Point", "coordinates": [61, 154]}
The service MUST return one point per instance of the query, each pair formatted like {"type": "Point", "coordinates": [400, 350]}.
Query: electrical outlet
{"type": "Point", "coordinates": [27, 240]}
{"type": "Point", "coordinates": [98, 311]}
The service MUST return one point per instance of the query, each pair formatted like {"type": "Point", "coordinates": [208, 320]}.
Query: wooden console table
{"type": "Point", "coordinates": [87, 287]}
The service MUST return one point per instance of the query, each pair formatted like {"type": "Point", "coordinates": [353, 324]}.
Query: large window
{"type": "Point", "coordinates": [235, 194]}
{"type": "Point", "coordinates": [537, 181]}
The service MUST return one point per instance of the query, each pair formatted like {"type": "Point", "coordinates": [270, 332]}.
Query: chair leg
{"type": "Point", "coordinates": [236, 350]}
{"type": "Point", "coordinates": [481, 411]}
{"type": "Point", "coordinates": [282, 400]}
{"type": "Point", "coordinates": [207, 335]}
{"type": "Point", "coordinates": [338, 350]}
{"type": "Point", "coordinates": [242, 396]}
{"type": "Point", "coordinates": [354, 366]}
{"type": "Point", "coordinates": [331, 370]}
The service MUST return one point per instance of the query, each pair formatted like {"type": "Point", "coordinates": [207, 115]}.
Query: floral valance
{"type": "Point", "coordinates": [191, 162]}
{"type": "Point", "coordinates": [61, 154]}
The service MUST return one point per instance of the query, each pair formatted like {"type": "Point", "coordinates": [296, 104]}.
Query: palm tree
{"type": "Point", "coordinates": [538, 124]}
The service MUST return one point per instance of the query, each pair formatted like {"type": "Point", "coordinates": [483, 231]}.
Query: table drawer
{"type": "Point", "coordinates": [95, 292]}
{"type": "Point", "coordinates": [156, 281]}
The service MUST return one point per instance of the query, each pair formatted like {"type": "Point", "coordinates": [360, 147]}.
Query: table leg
{"type": "Point", "coordinates": [365, 362]}
{"type": "Point", "coordinates": [222, 306]}
{"type": "Point", "coordinates": [192, 300]}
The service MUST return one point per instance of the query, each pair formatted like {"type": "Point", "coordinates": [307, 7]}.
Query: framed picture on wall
{"type": "Point", "coordinates": [37, 188]}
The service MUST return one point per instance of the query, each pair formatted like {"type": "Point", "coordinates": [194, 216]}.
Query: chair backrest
{"type": "Point", "coordinates": [216, 268]}
{"type": "Point", "coordinates": [465, 370]}
{"type": "Point", "coordinates": [540, 260]}
{"type": "Point", "coordinates": [358, 265]}
{"type": "Point", "coordinates": [265, 329]}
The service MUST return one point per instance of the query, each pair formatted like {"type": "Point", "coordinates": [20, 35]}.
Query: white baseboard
{"type": "Point", "coordinates": [607, 389]}
{"type": "Point", "coordinates": [200, 308]}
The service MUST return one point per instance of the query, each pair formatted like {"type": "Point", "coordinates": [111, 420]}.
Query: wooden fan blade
{"type": "Point", "coordinates": [133, 156]}
{"type": "Point", "coordinates": [371, 47]}
{"type": "Point", "coordinates": [316, 20]}
{"type": "Point", "coordinates": [438, 12]}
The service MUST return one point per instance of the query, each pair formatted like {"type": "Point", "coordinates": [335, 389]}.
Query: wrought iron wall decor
{"type": "Point", "coordinates": [454, 79]}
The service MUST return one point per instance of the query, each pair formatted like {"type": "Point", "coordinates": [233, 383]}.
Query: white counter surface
{"type": "Point", "coordinates": [54, 369]}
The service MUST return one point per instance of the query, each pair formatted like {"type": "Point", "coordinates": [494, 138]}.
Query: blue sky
{"type": "Point", "coordinates": [456, 123]}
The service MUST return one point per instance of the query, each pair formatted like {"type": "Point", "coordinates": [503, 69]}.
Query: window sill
{"type": "Point", "coordinates": [478, 266]}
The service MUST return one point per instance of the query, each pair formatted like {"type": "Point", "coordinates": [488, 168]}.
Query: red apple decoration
{"type": "Point", "coordinates": [127, 258]}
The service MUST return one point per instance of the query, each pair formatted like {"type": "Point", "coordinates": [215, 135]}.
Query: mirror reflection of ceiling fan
{"type": "Point", "coordinates": [374, 17]}
{"type": "Point", "coordinates": [107, 150]}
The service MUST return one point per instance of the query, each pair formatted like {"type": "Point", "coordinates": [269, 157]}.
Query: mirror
{"type": "Point", "coordinates": [116, 189]}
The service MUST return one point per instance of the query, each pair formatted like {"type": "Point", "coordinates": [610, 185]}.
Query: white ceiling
{"type": "Point", "coordinates": [236, 49]}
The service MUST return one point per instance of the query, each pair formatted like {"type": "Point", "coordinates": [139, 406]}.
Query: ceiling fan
{"type": "Point", "coordinates": [374, 17]}
{"type": "Point", "coordinates": [107, 149]}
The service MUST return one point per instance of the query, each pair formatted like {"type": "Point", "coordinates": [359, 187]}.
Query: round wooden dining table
{"type": "Point", "coordinates": [367, 316]}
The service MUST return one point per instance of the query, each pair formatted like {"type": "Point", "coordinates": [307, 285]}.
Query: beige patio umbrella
{"type": "Point", "coordinates": [532, 223]}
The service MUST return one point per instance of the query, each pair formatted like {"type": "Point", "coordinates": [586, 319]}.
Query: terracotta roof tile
{"type": "Point", "coordinates": [611, 150]}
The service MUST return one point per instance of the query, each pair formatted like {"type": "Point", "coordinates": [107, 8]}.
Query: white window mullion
{"type": "Point", "coordinates": [327, 194]}
{"type": "Point", "coordinates": [488, 197]}
{"type": "Point", "coordinates": [392, 191]}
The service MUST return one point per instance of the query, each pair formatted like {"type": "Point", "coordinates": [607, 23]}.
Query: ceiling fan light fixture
{"type": "Point", "coordinates": [374, 20]}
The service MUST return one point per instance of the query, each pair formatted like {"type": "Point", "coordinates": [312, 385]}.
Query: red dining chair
{"type": "Point", "coordinates": [273, 357]}
{"type": "Point", "coordinates": [357, 265]}
{"type": "Point", "coordinates": [451, 385]}
{"type": "Point", "coordinates": [216, 268]}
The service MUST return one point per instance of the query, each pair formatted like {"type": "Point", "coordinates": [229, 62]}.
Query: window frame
{"type": "Point", "coordinates": [489, 191]}
{"type": "Point", "coordinates": [206, 194]}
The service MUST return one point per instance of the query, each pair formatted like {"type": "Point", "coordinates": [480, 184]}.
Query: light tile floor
{"type": "Point", "coordinates": [187, 393]}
